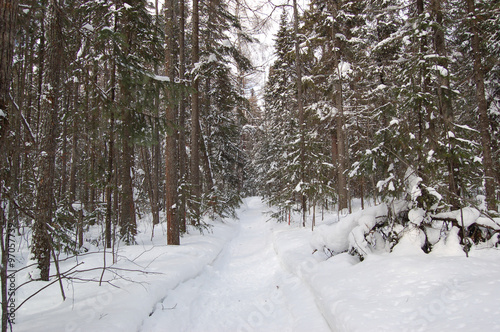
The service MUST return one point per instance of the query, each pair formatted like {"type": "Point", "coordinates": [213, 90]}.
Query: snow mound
{"type": "Point", "coordinates": [349, 232]}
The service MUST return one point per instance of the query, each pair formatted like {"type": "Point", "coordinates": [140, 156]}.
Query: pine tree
{"type": "Point", "coordinates": [195, 119]}
{"type": "Point", "coordinates": [221, 121]}
{"type": "Point", "coordinates": [171, 150]}
{"type": "Point", "coordinates": [281, 123]}
{"type": "Point", "coordinates": [45, 204]}
{"type": "Point", "coordinates": [484, 120]}
{"type": "Point", "coordinates": [8, 24]}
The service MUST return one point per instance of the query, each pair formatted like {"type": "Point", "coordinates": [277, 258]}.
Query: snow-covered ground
{"type": "Point", "coordinates": [256, 275]}
{"type": "Point", "coordinates": [245, 289]}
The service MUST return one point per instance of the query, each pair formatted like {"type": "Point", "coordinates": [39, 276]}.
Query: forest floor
{"type": "Point", "coordinates": [253, 274]}
{"type": "Point", "coordinates": [245, 289]}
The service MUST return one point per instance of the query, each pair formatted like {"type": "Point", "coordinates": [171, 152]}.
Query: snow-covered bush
{"type": "Point", "coordinates": [421, 222]}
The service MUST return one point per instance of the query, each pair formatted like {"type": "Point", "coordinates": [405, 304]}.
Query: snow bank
{"type": "Point", "coordinates": [406, 290]}
{"type": "Point", "coordinates": [349, 232]}
{"type": "Point", "coordinates": [143, 276]}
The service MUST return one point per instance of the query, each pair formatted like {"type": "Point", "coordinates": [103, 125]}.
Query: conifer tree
{"type": "Point", "coordinates": [8, 24]}
{"type": "Point", "coordinates": [484, 120]}
{"type": "Point", "coordinates": [221, 122]}
{"type": "Point", "coordinates": [281, 121]}
{"type": "Point", "coordinates": [45, 203]}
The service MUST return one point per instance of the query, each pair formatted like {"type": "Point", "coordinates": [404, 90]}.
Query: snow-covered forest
{"type": "Point", "coordinates": [357, 142]}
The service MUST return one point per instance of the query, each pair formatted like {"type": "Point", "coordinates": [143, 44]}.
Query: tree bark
{"type": "Point", "coordinates": [8, 18]}
{"type": "Point", "coordinates": [445, 103]}
{"type": "Point", "coordinates": [484, 121]}
{"type": "Point", "coordinates": [182, 119]}
{"type": "Point", "coordinates": [42, 242]}
{"type": "Point", "coordinates": [195, 114]}
{"type": "Point", "coordinates": [8, 21]}
{"type": "Point", "coordinates": [155, 150]}
{"type": "Point", "coordinates": [127, 216]}
{"type": "Point", "coordinates": [339, 103]}
{"type": "Point", "coordinates": [128, 223]}
{"type": "Point", "coordinates": [111, 154]}
{"type": "Point", "coordinates": [426, 131]}
{"type": "Point", "coordinates": [300, 106]}
{"type": "Point", "coordinates": [109, 182]}
{"type": "Point", "coordinates": [171, 144]}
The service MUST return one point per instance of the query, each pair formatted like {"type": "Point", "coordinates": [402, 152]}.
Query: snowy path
{"type": "Point", "coordinates": [245, 289]}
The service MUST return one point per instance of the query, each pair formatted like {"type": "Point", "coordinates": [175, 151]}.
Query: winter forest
{"type": "Point", "coordinates": [359, 140]}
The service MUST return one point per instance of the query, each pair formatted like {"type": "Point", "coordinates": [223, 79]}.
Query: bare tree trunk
{"type": "Point", "coordinates": [484, 121]}
{"type": "Point", "coordinates": [155, 150]}
{"type": "Point", "coordinates": [182, 119]}
{"type": "Point", "coordinates": [155, 174]}
{"type": "Point", "coordinates": [110, 165]}
{"type": "Point", "coordinates": [207, 169]}
{"type": "Point", "coordinates": [298, 71]}
{"type": "Point", "coordinates": [424, 112]}
{"type": "Point", "coordinates": [171, 180]}
{"type": "Point", "coordinates": [8, 20]}
{"type": "Point", "coordinates": [339, 103]}
{"type": "Point", "coordinates": [42, 245]}
{"type": "Point", "coordinates": [128, 223]}
{"type": "Point", "coordinates": [195, 118]}
{"type": "Point", "coordinates": [444, 102]}
{"type": "Point", "coordinates": [74, 152]}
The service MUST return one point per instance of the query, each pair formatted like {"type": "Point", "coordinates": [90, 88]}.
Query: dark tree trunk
{"type": "Point", "coordinates": [298, 71]}
{"type": "Point", "coordinates": [484, 122]}
{"type": "Point", "coordinates": [195, 118]}
{"type": "Point", "coordinates": [155, 174]}
{"type": "Point", "coordinates": [445, 102]}
{"type": "Point", "coordinates": [110, 164]}
{"type": "Point", "coordinates": [42, 244]}
{"type": "Point", "coordinates": [8, 20]}
{"type": "Point", "coordinates": [339, 103]}
{"type": "Point", "coordinates": [171, 181]}
{"type": "Point", "coordinates": [155, 150]}
{"type": "Point", "coordinates": [424, 112]}
{"type": "Point", "coordinates": [182, 119]}
{"type": "Point", "coordinates": [128, 223]}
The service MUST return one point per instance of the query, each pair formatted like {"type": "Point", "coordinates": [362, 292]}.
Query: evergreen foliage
{"type": "Point", "coordinates": [404, 77]}
{"type": "Point", "coordinates": [386, 86]}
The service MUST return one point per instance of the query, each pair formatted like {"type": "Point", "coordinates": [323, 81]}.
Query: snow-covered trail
{"type": "Point", "coordinates": [245, 289]}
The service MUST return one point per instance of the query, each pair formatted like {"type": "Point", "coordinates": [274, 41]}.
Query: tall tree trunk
{"type": "Point", "coordinates": [74, 151]}
{"type": "Point", "coordinates": [298, 71]}
{"type": "Point", "coordinates": [195, 114]}
{"type": "Point", "coordinates": [182, 119]}
{"type": "Point", "coordinates": [128, 223]}
{"type": "Point", "coordinates": [425, 130]}
{"type": "Point", "coordinates": [41, 64]}
{"type": "Point", "coordinates": [8, 20]}
{"type": "Point", "coordinates": [109, 182]}
{"type": "Point", "coordinates": [171, 144]}
{"type": "Point", "coordinates": [111, 153]}
{"type": "Point", "coordinates": [155, 173]}
{"type": "Point", "coordinates": [339, 103]}
{"type": "Point", "coordinates": [484, 122]}
{"type": "Point", "coordinates": [155, 150]}
{"type": "Point", "coordinates": [444, 102]}
{"type": "Point", "coordinates": [42, 242]}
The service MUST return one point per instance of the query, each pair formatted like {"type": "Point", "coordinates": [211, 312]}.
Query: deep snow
{"type": "Point", "coordinates": [253, 274]}
{"type": "Point", "coordinates": [245, 289]}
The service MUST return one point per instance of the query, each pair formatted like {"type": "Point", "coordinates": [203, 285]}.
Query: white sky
{"type": "Point", "coordinates": [261, 17]}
